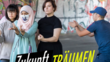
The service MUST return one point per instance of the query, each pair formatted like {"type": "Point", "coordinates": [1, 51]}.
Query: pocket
{"type": "Point", "coordinates": [6, 49]}
{"type": "Point", "coordinates": [1, 39]}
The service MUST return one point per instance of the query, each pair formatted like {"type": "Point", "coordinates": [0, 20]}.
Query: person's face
{"type": "Point", "coordinates": [24, 13]}
{"type": "Point", "coordinates": [24, 16]}
{"type": "Point", "coordinates": [48, 8]}
{"type": "Point", "coordinates": [95, 16]}
{"type": "Point", "coordinates": [11, 15]}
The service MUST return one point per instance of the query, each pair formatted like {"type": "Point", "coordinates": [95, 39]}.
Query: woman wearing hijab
{"type": "Point", "coordinates": [25, 28]}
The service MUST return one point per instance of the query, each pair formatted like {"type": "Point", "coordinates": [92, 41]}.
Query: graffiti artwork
{"type": "Point", "coordinates": [5, 3]}
{"type": "Point", "coordinates": [67, 10]}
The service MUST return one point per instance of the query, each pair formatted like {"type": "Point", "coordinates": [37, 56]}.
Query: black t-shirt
{"type": "Point", "coordinates": [47, 25]}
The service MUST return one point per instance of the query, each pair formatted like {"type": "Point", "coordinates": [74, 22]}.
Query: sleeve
{"type": "Point", "coordinates": [3, 20]}
{"type": "Point", "coordinates": [2, 28]}
{"type": "Point", "coordinates": [32, 30]}
{"type": "Point", "coordinates": [2, 32]}
{"type": "Point", "coordinates": [20, 35]}
{"type": "Point", "coordinates": [57, 24]}
{"type": "Point", "coordinates": [91, 28]}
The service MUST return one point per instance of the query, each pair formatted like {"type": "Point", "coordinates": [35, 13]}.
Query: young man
{"type": "Point", "coordinates": [101, 30]}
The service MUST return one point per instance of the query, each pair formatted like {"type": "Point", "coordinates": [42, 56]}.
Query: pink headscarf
{"type": "Point", "coordinates": [29, 23]}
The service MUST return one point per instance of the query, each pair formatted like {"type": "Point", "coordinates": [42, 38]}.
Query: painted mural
{"type": "Point", "coordinates": [5, 3]}
{"type": "Point", "coordinates": [67, 10]}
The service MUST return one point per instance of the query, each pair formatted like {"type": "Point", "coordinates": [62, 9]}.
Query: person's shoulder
{"type": "Point", "coordinates": [3, 23]}
{"type": "Point", "coordinates": [35, 23]}
{"type": "Point", "coordinates": [106, 22]}
{"type": "Point", "coordinates": [56, 19]}
{"type": "Point", "coordinates": [3, 20]}
{"type": "Point", "coordinates": [93, 24]}
{"type": "Point", "coordinates": [43, 18]}
{"type": "Point", "coordinates": [4, 17]}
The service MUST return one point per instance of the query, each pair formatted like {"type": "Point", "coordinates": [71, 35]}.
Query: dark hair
{"type": "Point", "coordinates": [102, 16]}
{"type": "Point", "coordinates": [52, 2]}
{"type": "Point", "coordinates": [12, 8]}
{"type": "Point", "coordinates": [19, 5]}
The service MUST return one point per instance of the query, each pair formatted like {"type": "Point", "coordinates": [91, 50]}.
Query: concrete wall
{"type": "Point", "coordinates": [67, 10]}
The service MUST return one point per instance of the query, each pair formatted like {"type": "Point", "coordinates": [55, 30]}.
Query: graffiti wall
{"type": "Point", "coordinates": [5, 3]}
{"type": "Point", "coordinates": [67, 10]}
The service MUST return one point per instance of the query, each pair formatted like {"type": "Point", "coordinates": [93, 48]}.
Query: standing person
{"type": "Point", "coordinates": [8, 36]}
{"type": "Point", "coordinates": [101, 30]}
{"type": "Point", "coordinates": [49, 29]}
{"type": "Point", "coordinates": [25, 28]}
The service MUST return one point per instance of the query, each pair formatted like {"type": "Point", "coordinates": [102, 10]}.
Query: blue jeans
{"type": "Point", "coordinates": [4, 60]}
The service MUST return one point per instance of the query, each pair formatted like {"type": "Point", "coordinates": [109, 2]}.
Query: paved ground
{"type": "Point", "coordinates": [74, 43]}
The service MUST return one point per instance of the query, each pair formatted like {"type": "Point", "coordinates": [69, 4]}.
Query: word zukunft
{"type": "Point", "coordinates": [38, 59]}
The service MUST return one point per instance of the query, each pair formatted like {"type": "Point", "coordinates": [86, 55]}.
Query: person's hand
{"type": "Point", "coordinates": [21, 30]}
{"type": "Point", "coordinates": [73, 24]}
{"type": "Point", "coordinates": [14, 28]}
{"type": "Point", "coordinates": [76, 23]}
{"type": "Point", "coordinates": [40, 37]}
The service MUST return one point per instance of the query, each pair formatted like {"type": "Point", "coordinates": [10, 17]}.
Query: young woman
{"type": "Point", "coordinates": [25, 28]}
{"type": "Point", "coordinates": [49, 29]}
{"type": "Point", "coordinates": [8, 36]}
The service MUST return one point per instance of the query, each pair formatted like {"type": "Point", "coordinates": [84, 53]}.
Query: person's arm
{"type": "Point", "coordinates": [82, 33]}
{"type": "Point", "coordinates": [56, 33]}
{"type": "Point", "coordinates": [1, 32]}
{"type": "Point", "coordinates": [81, 29]}
{"type": "Point", "coordinates": [74, 23]}
{"type": "Point", "coordinates": [17, 32]}
{"type": "Point", "coordinates": [3, 20]}
{"type": "Point", "coordinates": [1, 29]}
{"type": "Point", "coordinates": [1, 38]}
{"type": "Point", "coordinates": [54, 38]}
{"type": "Point", "coordinates": [92, 28]}
{"type": "Point", "coordinates": [36, 38]}
{"type": "Point", "coordinates": [31, 31]}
